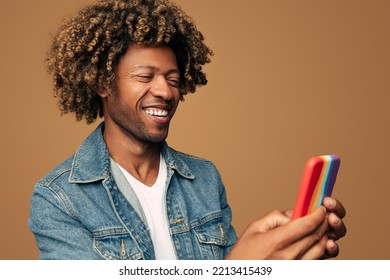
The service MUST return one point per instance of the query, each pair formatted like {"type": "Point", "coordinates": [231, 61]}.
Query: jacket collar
{"type": "Point", "coordinates": [174, 161]}
{"type": "Point", "coordinates": [92, 162]}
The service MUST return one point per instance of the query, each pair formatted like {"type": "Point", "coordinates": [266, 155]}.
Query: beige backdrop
{"type": "Point", "coordinates": [290, 80]}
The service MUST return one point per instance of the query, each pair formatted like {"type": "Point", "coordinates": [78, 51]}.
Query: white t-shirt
{"type": "Point", "coordinates": [153, 202]}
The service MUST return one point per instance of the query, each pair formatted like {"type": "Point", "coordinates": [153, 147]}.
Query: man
{"type": "Point", "coordinates": [125, 194]}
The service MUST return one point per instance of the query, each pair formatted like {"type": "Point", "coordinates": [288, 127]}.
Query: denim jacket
{"type": "Point", "coordinates": [85, 209]}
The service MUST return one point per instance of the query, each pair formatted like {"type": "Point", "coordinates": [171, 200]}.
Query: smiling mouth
{"type": "Point", "coordinates": [157, 112]}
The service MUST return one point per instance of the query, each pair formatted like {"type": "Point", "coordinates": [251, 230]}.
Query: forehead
{"type": "Point", "coordinates": [143, 57]}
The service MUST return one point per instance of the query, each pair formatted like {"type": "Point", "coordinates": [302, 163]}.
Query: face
{"type": "Point", "coordinates": [146, 94]}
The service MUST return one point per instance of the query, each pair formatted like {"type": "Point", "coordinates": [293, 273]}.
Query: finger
{"type": "Point", "coordinates": [335, 206]}
{"type": "Point", "coordinates": [288, 213]}
{"type": "Point", "coordinates": [317, 251]}
{"type": "Point", "coordinates": [332, 249]}
{"type": "Point", "coordinates": [311, 246]}
{"type": "Point", "coordinates": [270, 221]}
{"type": "Point", "coordinates": [337, 227]}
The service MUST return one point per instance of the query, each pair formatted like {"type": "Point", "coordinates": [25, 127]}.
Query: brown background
{"type": "Point", "coordinates": [290, 80]}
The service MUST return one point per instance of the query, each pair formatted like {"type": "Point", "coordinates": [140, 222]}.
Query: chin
{"type": "Point", "coordinates": [156, 138]}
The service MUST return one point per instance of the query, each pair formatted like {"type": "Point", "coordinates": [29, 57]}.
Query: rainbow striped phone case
{"type": "Point", "coordinates": [317, 182]}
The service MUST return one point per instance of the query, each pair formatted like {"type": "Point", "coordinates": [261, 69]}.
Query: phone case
{"type": "Point", "coordinates": [317, 182]}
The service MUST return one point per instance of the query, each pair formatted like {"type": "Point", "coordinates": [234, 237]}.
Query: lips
{"type": "Point", "coordinates": [156, 108]}
{"type": "Point", "coordinates": [158, 111]}
{"type": "Point", "coordinates": [159, 114]}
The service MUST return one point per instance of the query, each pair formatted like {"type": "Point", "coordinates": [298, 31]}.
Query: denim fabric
{"type": "Point", "coordinates": [78, 211]}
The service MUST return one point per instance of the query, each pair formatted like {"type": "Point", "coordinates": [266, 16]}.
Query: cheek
{"type": "Point", "coordinates": [130, 92]}
{"type": "Point", "coordinates": [177, 102]}
{"type": "Point", "coordinates": [121, 107]}
{"type": "Point", "coordinates": [177, 96]}
{"type": "Point", "coordinates": [128, 98]}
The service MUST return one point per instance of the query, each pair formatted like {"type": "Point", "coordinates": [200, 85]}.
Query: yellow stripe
{"type": "Point", "coordinates": [320, 187]}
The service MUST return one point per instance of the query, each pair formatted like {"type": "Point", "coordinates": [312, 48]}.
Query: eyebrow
{"type": "Point", "coordinates": [137, 67]}
{"type": "Point", "coordinates": [154, 68]}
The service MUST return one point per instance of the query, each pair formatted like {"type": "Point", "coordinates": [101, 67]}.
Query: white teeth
{"type": "Point", "coordinates": [158, 113]}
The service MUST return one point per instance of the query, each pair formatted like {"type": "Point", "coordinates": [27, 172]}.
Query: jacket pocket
{"type": "Point", "coordinates": [116, 244]}
{"type": "Point", "coordinates": [211, 237]}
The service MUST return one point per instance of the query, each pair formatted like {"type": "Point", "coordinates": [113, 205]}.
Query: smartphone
{"type": "Point", "coordinates": [318, 180]}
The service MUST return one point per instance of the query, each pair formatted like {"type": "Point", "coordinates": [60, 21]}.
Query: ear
{"type": "Point", "coordinates": [104, 92]}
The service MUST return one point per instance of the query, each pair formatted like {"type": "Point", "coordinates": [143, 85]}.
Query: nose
{"type": "Point", "coordinates": [161, 88]}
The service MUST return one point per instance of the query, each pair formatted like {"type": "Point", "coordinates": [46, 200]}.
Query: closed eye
{"type": "Point", "coordinates": [174, 82]}
{"type": "Point", "coordinates": [144, 78]}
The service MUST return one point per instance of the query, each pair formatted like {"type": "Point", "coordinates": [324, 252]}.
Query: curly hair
{"type": "Point", "coordinates": [87, 48]}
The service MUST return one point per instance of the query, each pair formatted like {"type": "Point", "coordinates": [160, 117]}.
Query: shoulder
{"type": "Point", "coordinates": [188, 158]}
{"type": "Point", "coordinates": [188, 164]}
{"type": "Point", "coordinates": [59, 173]}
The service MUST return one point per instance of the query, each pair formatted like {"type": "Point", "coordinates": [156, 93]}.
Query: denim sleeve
{"type": "Point", "coordinates": [58, 232]}
{"type": "Point", "coordinates": [227, 218]}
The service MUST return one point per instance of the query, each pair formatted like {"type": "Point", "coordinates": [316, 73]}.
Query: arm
{"type": "Point", "coordinates": [58, 233]}
{"type": "Point", "coordinates": [228, 228]}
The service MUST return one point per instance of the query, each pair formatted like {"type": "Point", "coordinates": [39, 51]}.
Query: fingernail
{"type": "Point", "coordinates": [333, 245]}
{"type": "Point", "coordinates": [337, 222]}
{"type": "Point", "coordinates": [332, 202]}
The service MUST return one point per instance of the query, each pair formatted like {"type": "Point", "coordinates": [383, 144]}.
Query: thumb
{"type": "Point", "coordinates": [273, 220]}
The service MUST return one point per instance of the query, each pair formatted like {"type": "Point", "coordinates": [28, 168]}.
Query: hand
{"type": "Point", "coordinates": [337, 228]}
{"type": "Point", "coordinates": [275, 237]}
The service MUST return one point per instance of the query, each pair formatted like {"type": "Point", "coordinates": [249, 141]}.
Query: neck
{"type": "Point", "coordinates": [141, 159]}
